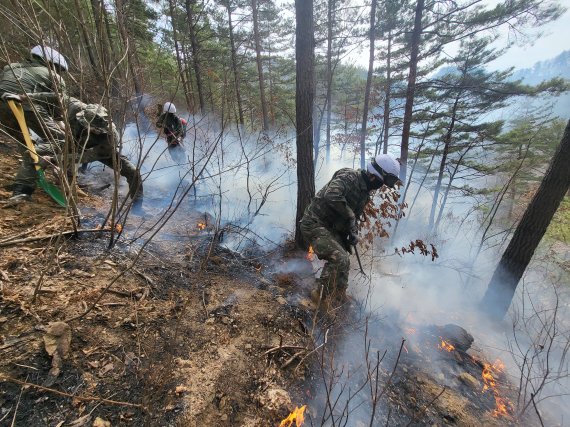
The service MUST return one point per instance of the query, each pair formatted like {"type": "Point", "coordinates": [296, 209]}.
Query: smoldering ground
{"type": "Point", "coordinates": [248, 186]}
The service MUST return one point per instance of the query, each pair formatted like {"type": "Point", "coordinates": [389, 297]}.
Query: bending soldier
{"type": "Point", "coordinates": [329, 223]}
{"type": "Point", "coordinates": [95, 140]}
{"type": "Point", "coordinates": [38, 74]}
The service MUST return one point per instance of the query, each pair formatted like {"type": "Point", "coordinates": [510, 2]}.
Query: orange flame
{"type": "Point", "coordinates": [445, 345]}
{"type": "Point", "coordinates": [298, 416]}
{"type": "Point", "coordinates": [503, 407]}
{"type": "Point", "coordinates": [311, 254]}
{"type": "Point", "coordinates": [201, 225]}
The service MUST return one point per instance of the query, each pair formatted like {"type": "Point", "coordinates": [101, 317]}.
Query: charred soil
{"type": "Point", "coordinates": [179, 339]}
{"type": "Point", "coordinates": [191, 334]}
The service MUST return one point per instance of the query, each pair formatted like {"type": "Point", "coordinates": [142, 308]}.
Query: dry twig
{"type": "Point", "coordinates": [50, 236]}
{"type": "Point", "coordinates": [61, 393]}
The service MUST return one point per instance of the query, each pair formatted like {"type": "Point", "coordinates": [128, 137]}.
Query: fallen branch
{"type": "Point", "coordinates": [8, 239]}
{"type": "Point", "coordinates": [144, 276]}
{"type": "Point", "coordinates": [51, 236]}
{"type": "Point", "coordinates": [292, 358]}
{"type": "Point", "coordinates": [285, 347]}
{"type": "Point", "coordinates": [61, 393]}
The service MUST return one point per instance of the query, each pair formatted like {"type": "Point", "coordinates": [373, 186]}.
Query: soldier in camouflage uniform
{"type": "Point", "coordinates": [174, 129]}
{"type": "Point", "coordinates": [93, 139]}
{"type": "Point", "coordinates": [329, 223]}
{"type": "Point", "coordinates": [38, 74]}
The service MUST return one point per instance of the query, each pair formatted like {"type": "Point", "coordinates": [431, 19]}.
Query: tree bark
{"type": "Point", "coordinates": [129, 44]}
{"type": "Point", "coordinates": [443, 163]}
{"type": "Point", "coordinates": [387, 94]}
{"type": "Point", "coordinates": [195, 46]}
{"type": "Point", "coordinates": [234, 64]}
{"type": "Point", "coordinates": [305, 89]}
{"type": "Point", "coordinates": [368, 85]}
{"type": "Point", "coordinates": [330, 21]}
{"type": "Point", "coordinates": [179, 56]}
{"type": "Point", "coordinates": [88, 46]}
{"type": "Point", "coordinates": [529, 232]}
{"type": "Point", "coordinates": [257, 40]}
{"type": "Point", "coordinates": [408, 109]}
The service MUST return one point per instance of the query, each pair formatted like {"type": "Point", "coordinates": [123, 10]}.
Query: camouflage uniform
{"type": "Point", "coordinates": [174, 130]}
{"type": "Point", "coordinates": [90, 130]}
{"type": "Point", "coordinates": [31, 76]}
{"type": "Point", "coordinates": [172, 126]}
{"type": "Point", "coordinates": [326, 222]}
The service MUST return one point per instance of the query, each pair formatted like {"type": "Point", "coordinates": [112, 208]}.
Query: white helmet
{"type": "Point", "coordinates": [50, 55]}
{"type": "Point", "coordinates": [169, 107]}
{"type": "Point", "coordinates": [385, 167]}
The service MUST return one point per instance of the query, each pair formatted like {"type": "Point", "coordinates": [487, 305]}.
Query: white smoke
{"type": "Point", "coordinates": [248, 171]}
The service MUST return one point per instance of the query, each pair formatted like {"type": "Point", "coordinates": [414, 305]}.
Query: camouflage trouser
{"type": "Point", "coordinates": [46, 128]}
{"type": "Point", "coordinates": [104, 153]}
{"type": "Point", "coordinates": [328, 245]}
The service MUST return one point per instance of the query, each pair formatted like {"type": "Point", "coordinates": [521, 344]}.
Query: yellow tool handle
{"type": "Point", "coordinates": [18, 111]}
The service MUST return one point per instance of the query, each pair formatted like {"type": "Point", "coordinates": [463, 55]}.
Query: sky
{"type": "Point", "coordinates": [554, 40]}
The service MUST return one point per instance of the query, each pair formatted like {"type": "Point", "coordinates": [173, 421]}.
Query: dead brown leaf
{"type": "Point", "coordinates": [106, 369]}
{"type": "Point", "coordinates": [100, 422]}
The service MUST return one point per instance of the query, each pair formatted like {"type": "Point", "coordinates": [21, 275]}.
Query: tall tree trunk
{"type": "Point", "coordinates": [410, 91]}
{"type": "Point", "coordinates": [179, 56]}
{"type": "Point", "coordinates": [110, 38]}
{"type": "Point", "coordinates": [107, 48]}
{"type": "Point", "coordinates": [403, 196]}
{"type": "Point", "coordinates": [129, 44]}
{"type": "Point", "coordinates": [449, 184]}
{"type": "Point", "coordinates": [529, 232]}
{"type": "Point", "coordinates": [443, 163]}
{"type": "Point", "coordinates": [317, 122]}
{"type": "Point", "coordinates": [330, 21]}
{"type": "Point", "coordinates": [304, 95]}
{"type": "Point", "coordinates": [195, 46]}
{"type": "Point", "coordinates": [387, 93]}
{"type": "Point", "coordinates": [368, 85]}
{"type": "Point", "coordinates": [259, 65]}
{"type": "Point", "coordinates": [271, 92]}
{"type": "Point", "coordinates": [87, 40]}
{"type": "Point", "coordinates": [234, 64]}
{"type": "Point", "coordinates": [102, 38]}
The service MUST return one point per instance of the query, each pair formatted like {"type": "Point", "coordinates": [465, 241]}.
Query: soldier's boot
{"type": "Point", "coordinates": [22, 189]}
{"type": "Point", "coordinates": [321, 297]}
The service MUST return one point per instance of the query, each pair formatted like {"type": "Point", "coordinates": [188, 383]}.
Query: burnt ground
{"type": "Point", "coordinates": [192, 335]}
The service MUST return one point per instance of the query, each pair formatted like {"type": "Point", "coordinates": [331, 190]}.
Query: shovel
{"type": "Point", "coordinates": [54, 192]}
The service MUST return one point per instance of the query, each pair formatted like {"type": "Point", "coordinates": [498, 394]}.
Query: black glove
{"type": "Point", "coordinates": [353, 233]}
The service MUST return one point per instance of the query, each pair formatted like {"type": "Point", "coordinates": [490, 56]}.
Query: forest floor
{"type": "Point", "coordinates": [191, 334]}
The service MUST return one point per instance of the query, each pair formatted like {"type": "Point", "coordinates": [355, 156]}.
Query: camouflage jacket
{"type": "Point", "coordinates": [340, 201]}
{"type": "Point", "coordinates": [171, 124]}
{"type": "Point", "coordinates": [88, 122]}
{"type": "Point", "coordinates": [31, 76]}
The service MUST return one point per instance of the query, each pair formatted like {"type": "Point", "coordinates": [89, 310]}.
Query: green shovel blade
{"type": "Point", "coordinates": [48, 187]}
{"type": "Point", "coordinates": [53, 191]}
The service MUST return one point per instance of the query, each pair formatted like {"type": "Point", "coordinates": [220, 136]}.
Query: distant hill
{"type": "Point", "coordinates": [558, 66]}
{"type": "Point", "coordinates": [544, 70]}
